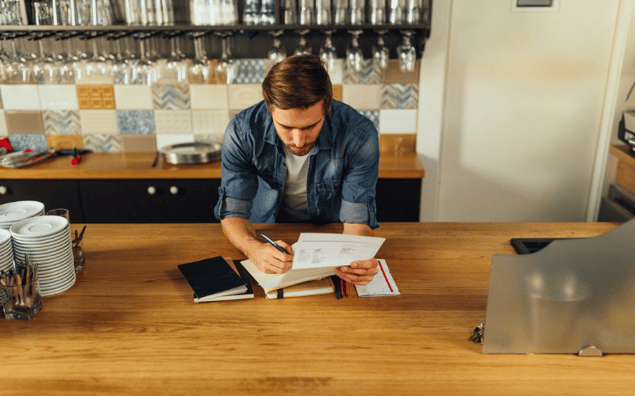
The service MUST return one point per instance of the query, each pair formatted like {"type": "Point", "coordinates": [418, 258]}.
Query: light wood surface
{"type": "Point", "coordinates": [139, 166]}
{"type": "Point", "coordinates": [625, 172]}
{"type": "Point", "coordinates": [129, 326]}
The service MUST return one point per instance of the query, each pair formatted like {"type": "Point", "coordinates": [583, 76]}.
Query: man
{"type": "Point", "coordinates": [298, 156]}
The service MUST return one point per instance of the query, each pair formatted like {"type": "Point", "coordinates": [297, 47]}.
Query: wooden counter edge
{"type": "Point", "coordinates": [139, 166]}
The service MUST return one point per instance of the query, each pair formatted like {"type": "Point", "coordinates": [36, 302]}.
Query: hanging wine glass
{"type": "Point", "coordinates": [328, 54]}
{"type": "Point", "coordinates": [225, 68]}
{"type": "Point", "coordinates": [176, 70]}
{"type": "Point", "coordinates": [144, 67]}
{"type": "Point", "coordinates": [199, 70]}
{"type": "Point", "coordinates": [68, 64]}
{"type": "Point", "coordinates": [44, 68]}
{"type": "Point", "coordinates": [406, 53]}
{"type": "Point", "coordinates": [303, 48]}
{"type": "Point", "coordinates": [354, 54]}
{"type": "Point", "coordinates": [277, 51]}
{"type": "Point", "coordinates": [381, 54]}
{"type": "Point", "coordinates": [17, 69]}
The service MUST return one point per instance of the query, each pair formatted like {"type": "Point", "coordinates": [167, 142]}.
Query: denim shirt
{"type": "Point", "coordinates": [342, 176]}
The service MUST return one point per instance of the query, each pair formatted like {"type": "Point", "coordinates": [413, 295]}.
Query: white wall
{"type": "Point", "coordinates": [521, 109]}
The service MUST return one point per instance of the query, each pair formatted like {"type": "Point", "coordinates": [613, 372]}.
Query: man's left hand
{"type": "Point", "coordinates": [358, 272]}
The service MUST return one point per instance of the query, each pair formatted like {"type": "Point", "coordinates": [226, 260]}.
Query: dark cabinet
{"type": "Point", "coordinates": [149, 201]}
{"type": "Point", "coordinates": [398, 199]}
{"type": "Point", "coordinates": [52, 193]}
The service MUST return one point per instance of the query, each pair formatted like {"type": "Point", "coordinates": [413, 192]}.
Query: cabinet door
{"type": "Point", "coordinates": [53, 194]}
{"type": "Point", "coordinates": [123, 201]}
{"type": "Point", "coordinates": [398, 199]}
{"type": "Point", "coordinates": [191, 201]}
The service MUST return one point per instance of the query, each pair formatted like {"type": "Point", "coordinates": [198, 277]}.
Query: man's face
{"type": "Point", "coordinates": [299, 128]}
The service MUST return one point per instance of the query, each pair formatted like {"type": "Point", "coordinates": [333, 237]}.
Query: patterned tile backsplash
{"type": "Point", "coordinates": [136, 118]}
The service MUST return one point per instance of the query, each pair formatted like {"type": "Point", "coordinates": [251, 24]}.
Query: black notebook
{"type": "Point", "coordinates": [214, 279]}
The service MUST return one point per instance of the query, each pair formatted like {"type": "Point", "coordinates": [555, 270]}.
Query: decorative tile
{"type": "Point", "coordinates": [171, 97]}
{"type": "Point", "coordinates": [96, 96]}
{"type": "Point", "coordinates": [139, 143]}
{"type": "Point", "coordinates": [65, 142]}
{"type": "Point", "coordinates": [21, 122]}
{"type": "Point", "coordinates": [21, 142]}
{"type": "Point", "coordinates": [173, 121]}
{"type": "Point", "coordinates": [136, 122]}
{"type": "Point", "coordinates": [337, 92]}
{"type": "Point", "coordinates": [58, 97]}
{"type": "Point", "coordinates": [209, 96]}
{"type": "Point", "coordinates": [361, 96]}
{"type": "Point", "coordinates": [20, 97]}
{"type": "Point", "coordinates": [209, 122]}
{"type": "Point", "coordinates": [242, 96]}
{"type": "Point", "coordinates": [392, 75]}
{"type": "Point", "coordinates": [167, 140]}
{"type": "Point", "coordinates": [372, 115]}
{"type": "Point", "coordinates": [370, 74]}
{"type": "Point", "coordinates": [0, 99]}
{"type": "Point", "coordinates": [397, 121]}
{"type": "Point", "coordinates": [399, 96]}
{"type": "Point", "coordinates": [249, 71]}
{"type": "Point", "coordinates": [61, 122]}
{"type": "Point", "coordinates": [133, 97]}
{"type": "Point", "coordinates": [103, 143]}
{"type": "Point", "coordinates": [99, 122]}
{"type": "Point", "coordinates": [3, 124]}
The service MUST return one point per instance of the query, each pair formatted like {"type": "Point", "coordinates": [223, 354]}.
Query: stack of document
{"type": "Point", "coordinates": [316, 256]}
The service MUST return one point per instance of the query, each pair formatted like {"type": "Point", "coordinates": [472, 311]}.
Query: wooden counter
{"type": "Point", "coordinates": [139, 166]}
{"type": "Point", "coordinates": [129, 326]}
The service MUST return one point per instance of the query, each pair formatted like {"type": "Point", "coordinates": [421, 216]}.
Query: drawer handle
{"type": "Point", "coordinates": [152, 190]}
{"type": "Point", "coordinates": [3, 190]}
{"type": "Point", "coordinates": [174, 190]}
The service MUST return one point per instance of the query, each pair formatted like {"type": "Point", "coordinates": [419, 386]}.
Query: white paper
{"type": "Point", "coordinates": [333, 250]}
{"type": "Point", "coordinates": [382, 284]}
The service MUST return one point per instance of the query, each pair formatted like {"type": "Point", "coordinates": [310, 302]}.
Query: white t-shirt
{"type": "Point", "coordinates": [294, 205]}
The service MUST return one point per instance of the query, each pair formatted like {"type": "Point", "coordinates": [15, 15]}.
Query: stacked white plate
{"type": "Point", "coordinates": [47, 241]}
{"type": "Point", "coordinates": [6, 250]}
{"type": "Point", "coordinates": [13, 212]}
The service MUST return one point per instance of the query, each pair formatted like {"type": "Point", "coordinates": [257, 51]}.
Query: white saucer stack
{"type": "Point", "coordinates": [6, 250]}
{"type": "Point", "coordinates": [13, 212]}
{"type": "Point", "coordinates": [47, 241]}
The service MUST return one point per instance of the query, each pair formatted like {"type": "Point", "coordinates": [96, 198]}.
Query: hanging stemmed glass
{"type": "Point", "coordinates": [381, 54]}
{"type": "Point", "coordinates": [303, 48]}
{"type": "Point", "coordinates": [67, 66]}
{"type": "Point", "coordinates": [120, 70]}
{"type": "Point", "coordinates": [277, 51]}
{"type": "Point", "coordinates": [328, 54]}
{"type": "Point", "coordinates": [176, 70]}
{"type": "Point", "coordinates": [44, 68]}
{"type": "Point", "coordinates": [225, 66]}
{"type": "Point", "coordinates": [406, 53]}
{"type": "Point", "coordinates": [98, 69]}
{"type": "Point", "coordinates": [144, 67]}
{"type": "Point", "coordinates": [17, 69]}
{"type": "Point", "coordinates": [354, 54]}
{"type": "Point", "coordinates": [199, 70]}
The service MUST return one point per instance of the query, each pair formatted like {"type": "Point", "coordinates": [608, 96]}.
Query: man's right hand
{"type": "Point", "coordinates": [270, 260]}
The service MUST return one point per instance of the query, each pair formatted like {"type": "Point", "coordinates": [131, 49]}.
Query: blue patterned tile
{"type": "Point", "coordinates": [136, 122]}
{"type": "Point", "coordinates": [370, 74]}
{"type": "Point", "coordinates": [103, 143]}
{"type": "Point", "coordinates": [249, 71]}
{"type": "Point", "coordinates": [61, 122]}
{"type": "Point", "coordinates": [171, 97]}
{"type": "Point", "coordinates": [36, 142]}
{"type": "Point", "coordinates": [399, 96]}
{"type": "Point", "coordinates": [372, 115]}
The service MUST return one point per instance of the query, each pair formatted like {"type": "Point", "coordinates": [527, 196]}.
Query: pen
{"type": "Point", "coordinates": [272, 243]}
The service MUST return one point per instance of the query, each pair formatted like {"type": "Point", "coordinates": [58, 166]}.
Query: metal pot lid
{"type": "Point", "coordinates": [191, 153]}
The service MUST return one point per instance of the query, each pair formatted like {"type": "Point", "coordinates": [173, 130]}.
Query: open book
{"type": "Point", "coordinates": [316, 256]}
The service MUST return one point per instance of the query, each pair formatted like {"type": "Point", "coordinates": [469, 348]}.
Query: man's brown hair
{"type": "Point", "coordinates": [298, 82]}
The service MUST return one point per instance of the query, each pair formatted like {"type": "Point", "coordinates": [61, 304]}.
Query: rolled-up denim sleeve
{"type": "Point", "coordinates": [360, 182]}
{"type": "Point", "coordinates": [239, 183]}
